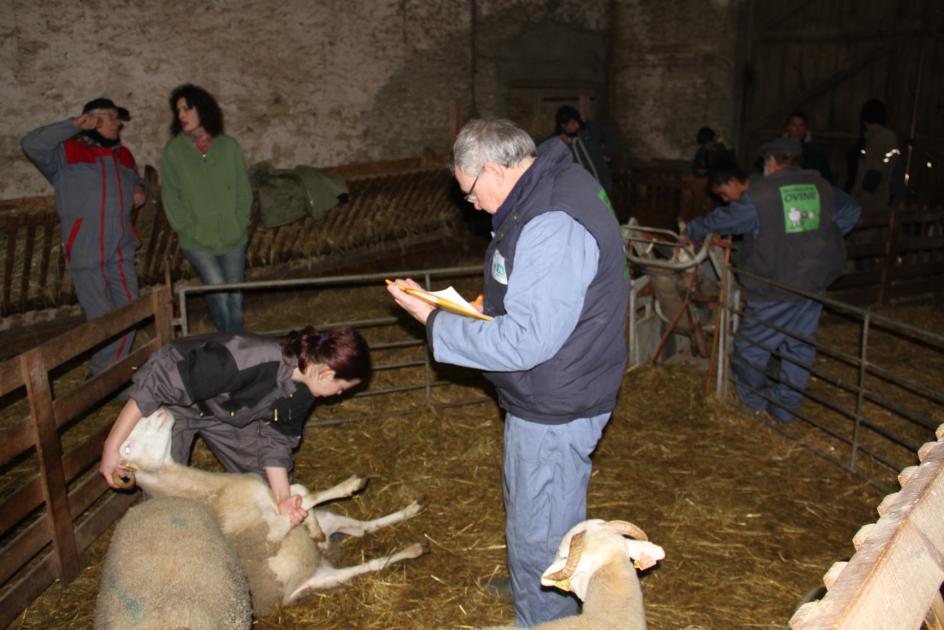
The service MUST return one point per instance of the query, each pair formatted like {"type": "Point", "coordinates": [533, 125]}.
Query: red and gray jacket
{"type": "Point", "coordinates": [94, 186]}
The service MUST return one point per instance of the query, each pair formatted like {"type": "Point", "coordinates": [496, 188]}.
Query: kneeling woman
{"type": "Point", "coordinates": [248, 397]}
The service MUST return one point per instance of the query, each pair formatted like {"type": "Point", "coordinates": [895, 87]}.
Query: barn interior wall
{"type": "Point", "coordinates": [673, 70]}
{"type": "Point", "coordinates": [340, 82]}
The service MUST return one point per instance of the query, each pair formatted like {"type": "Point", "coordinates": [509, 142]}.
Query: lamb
{"type": "Point", "coordinates": [194, 583]}
{"type": "Point", "coordinates": [281, 563]}
{"type": "Point", "coordinates": [596, 563]}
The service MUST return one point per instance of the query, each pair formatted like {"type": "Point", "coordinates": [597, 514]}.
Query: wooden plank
{"type": "Point", "coordinates": [78, 400]}
{"type": "Point", "coordinates": [49, 454]}
{"type": "Point", "coordinates": [26, 589]}
{"type": "Point", "coordinates": [103, 516]}
{"type": "Point", "coordinates": [891, 580]}
{"type": "Point", "coordinates": [15, 440]}
{"type": "Point", "coordinates": [162, 303]}
{"type": "Point", "coordinates": [23, 547]}
{"type": "Point", "coordinates": [29, 496]}
{"type": "Point", "coordinates": [73, 343]}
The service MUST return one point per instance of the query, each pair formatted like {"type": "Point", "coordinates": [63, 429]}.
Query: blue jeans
{"type": "Point", "coordinates": [545, 476]}
{"type": "Point", "coordinates": [226, 307]}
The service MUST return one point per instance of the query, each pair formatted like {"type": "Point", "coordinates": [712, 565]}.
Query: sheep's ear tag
{"type": "Point", "coordinates": [563, 585]}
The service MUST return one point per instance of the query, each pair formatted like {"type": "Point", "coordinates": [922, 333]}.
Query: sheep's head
{"type": "Point", "coordinates": [591, 544]}
{"type": "Point", "coordinates": [148, 445]}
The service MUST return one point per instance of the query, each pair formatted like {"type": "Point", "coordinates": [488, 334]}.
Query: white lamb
{"type": "Point", "coordinates": [281, 563]}
{"type": "Point", "coordinates": [195, 583]}
{"type": "Point", "coordinates": [597, 564]}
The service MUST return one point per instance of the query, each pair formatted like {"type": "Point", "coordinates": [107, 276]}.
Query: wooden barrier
{"type": "Point", "coordinates": [50, 519]}
{"type": "Point", "coordinates": [393, 204]}
{"type": "Point", "coordinates": [894, 578]}
{"type": "Point", "coordinates": [894, 255]}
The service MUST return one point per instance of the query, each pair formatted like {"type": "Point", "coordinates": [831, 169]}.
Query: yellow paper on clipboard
{"type": "Point", "coordinates": [448, 300]}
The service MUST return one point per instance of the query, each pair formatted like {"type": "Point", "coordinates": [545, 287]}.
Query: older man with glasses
{"type": "Point", "coordinates": [556, 285]}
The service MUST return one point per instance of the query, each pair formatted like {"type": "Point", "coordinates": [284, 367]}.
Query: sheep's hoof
{"type": "Point", "coordinates": [123, 482]}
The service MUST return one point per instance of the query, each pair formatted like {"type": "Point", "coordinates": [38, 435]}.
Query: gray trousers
{"type": "Point", "coordinates": [546, 475]}
{"type": "Point", "coordinates": [101, 290]}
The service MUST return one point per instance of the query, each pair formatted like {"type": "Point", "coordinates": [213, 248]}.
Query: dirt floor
{"type": "Point", "coordinates": [750, 521]}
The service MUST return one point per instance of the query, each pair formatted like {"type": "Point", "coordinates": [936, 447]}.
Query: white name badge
{"type": "Point", "coordinates": [498, 268]}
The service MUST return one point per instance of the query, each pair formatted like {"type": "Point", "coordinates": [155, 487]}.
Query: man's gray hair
{"type": "Point", "coordinates": [490, 140]}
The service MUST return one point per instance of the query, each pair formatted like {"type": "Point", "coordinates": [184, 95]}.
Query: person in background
{"type": "Point", "coordinates": [593, 146]}
{"type": "Point", "coordinates": [793, 224]}
{"type": "Point", "coordinates": [207, 198]}
{"type": "Point", "coordinates": [557, 286]}
{"type": "Point", "coordinates": [97, 185]}
{"type": "Point", "coordinates": [879, 179]}
{"type": "Point", "coordinates": [247, 396]}
{"type": "Point", "coordinates": [711, 147]}
{"type": "Point", "coordinates": [814, 158]}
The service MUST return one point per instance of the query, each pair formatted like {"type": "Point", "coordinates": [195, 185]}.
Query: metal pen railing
{"type": "Point", "coordinates": [882, 426]}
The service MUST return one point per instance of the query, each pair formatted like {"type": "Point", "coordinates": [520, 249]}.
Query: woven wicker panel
{"type": "Point", "coordinates": [384, 210]}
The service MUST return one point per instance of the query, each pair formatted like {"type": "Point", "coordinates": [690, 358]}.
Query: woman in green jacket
{"type": "Point", "coordinates": [207, 198]}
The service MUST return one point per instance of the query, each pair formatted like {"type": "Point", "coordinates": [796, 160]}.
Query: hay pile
{"type": "Point", "coordinates": [749, 521]}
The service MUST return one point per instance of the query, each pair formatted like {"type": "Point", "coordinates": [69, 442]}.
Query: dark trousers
{"type": "Point", "coordinates": [752, 350]}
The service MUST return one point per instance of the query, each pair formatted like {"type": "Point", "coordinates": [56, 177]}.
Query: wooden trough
{"type": "Point", "coordinates": [894, 578]}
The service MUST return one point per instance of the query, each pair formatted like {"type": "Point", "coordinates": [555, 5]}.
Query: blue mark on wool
{"type": "Point", "coordinates": [178, 522]}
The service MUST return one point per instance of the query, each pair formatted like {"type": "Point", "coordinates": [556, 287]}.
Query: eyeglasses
{"type": "Point", "coordinates": [470, 197]}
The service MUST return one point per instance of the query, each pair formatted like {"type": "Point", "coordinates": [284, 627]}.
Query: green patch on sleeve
{"type": "Point", "coordinates": [801, 208]}
{"type": "Point", "coordinates": [606, 200]}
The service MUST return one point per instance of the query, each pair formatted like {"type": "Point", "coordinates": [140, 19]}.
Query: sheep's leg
{"type": "Point", "coordinates": [346, 488]}
{"type": "Point", "coordinates": [329, 522]}
{"type": "Point", "coordinates": [327, 577]}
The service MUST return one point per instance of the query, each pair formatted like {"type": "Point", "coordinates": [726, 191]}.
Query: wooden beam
{"type": "Point", "coordinates": [49, 454]}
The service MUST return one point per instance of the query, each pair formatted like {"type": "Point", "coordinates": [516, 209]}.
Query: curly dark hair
{"type": "Point", "coordinates": [342, 349]}
{"type": "Point", "coordinates": [211, 116]}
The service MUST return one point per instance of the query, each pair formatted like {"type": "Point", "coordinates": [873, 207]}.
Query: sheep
{"type": "Point", "coordinates": [596, 563]}
{"type": "Point", "coordinates": [281, 563]}
{"type": "Point", "coordinates": [195, 583]}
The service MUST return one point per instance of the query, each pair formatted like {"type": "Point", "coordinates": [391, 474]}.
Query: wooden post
{"type": "Point", "coordinates": [163, 307]}
{"type": "Point", "coordinates": [52, 473]}
{"type": "Point", "coordinates": [890, 259]}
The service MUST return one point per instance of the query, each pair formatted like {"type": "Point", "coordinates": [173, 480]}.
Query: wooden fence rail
{"type": "Point", "coordinates": [46, 521]}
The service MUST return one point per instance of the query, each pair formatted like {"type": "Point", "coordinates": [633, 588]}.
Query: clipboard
{"type": "Point", "coordinates": [448, 300]}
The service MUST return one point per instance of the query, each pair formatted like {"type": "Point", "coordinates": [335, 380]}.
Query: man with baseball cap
{"type": "Point", "coordinates": [96, 184]}
{"type": "Point", "coordinates": [793, 222]}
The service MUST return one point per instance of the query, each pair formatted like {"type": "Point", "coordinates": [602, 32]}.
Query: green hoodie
{"type": "Point", "coordinates": [207, 199]}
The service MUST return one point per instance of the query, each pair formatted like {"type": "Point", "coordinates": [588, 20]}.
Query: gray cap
{"type": "Point", "coordinates": [783, 146]}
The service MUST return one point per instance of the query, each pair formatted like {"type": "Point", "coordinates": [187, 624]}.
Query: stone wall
{"type": "Point", "coordinates": [343, 81]}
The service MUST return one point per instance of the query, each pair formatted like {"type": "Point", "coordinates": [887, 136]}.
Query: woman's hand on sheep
{"type": "Point", "coordinates": [292, 505]}
{"type": "Point", "coordinates": [109, 467]}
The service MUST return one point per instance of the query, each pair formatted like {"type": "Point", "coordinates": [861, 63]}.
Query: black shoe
{"type": "Point", "coordinates": [497, 585]}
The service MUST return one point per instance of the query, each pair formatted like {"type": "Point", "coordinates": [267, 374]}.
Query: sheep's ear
{"type": "Point", "coordinates": [643, 554]}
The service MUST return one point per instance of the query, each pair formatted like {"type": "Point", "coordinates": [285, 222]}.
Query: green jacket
{"type": "Point", "coordinates": [207, 199]}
